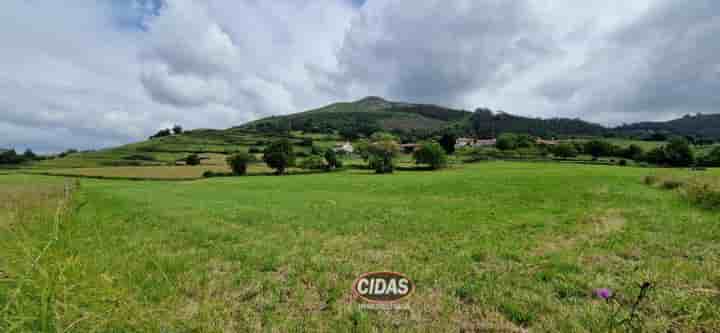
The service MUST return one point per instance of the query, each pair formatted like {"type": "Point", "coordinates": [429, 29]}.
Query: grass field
{"type": "Point", "coordinates": [497, 247]}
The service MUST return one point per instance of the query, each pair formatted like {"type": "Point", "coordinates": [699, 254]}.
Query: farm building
{"type": "Point", "coordinates": [346, 148]}
{"type": "Point", "coordinates": [470, 142]}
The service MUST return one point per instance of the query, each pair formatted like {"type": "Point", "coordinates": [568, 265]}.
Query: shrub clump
{"type": "Point", "coordinates": [432, 154]}
{"type": "Point", "coordinates": [703, 194]}
{"type": "Point", "coordinates": [279, 155]}
{"type": "Point", "coordinates": [313, 162]}
{"type": "Point", "coordinates": [671, 184]}
{"type": "Point", "coordinates": [192, 159]}
{"type": "Point", "coordinates": [651, 180]}
{"type": "Point", "coordinates": [238, 162]}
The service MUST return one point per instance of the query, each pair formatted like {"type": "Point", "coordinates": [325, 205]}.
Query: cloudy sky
{"type": "Point", "coordinates": [96, 73]}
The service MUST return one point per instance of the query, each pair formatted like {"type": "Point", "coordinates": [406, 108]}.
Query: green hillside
{"type": "Point", "coordinates": [700, 125]}
{"type": "Point", "coordinates": [334, 123]}
{"type": "Point", "coordinates": [366, 115]}
{"type": "Point", "coordinates": [371, 114]}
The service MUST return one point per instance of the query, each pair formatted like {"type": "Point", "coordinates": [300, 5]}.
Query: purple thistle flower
{"type": "Point", "coordinates": [603, 293]}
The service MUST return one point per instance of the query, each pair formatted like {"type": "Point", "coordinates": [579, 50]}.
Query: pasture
{"type": "Point", "coordinates": [498, 246]}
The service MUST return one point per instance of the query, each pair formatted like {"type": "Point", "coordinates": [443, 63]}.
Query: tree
{"type": "Point", "coordinates": [239, 162]}
{"type": "Point", "coordinates": [161, 133]}
{"type": "Point", "coordinates": [655, 156]}
{"type": "Point", "coordinates": [382, 156]}
{"type": "Point", "coordinates": [431, 153]}
{"type": "Point", "coordinates": [633, 152]}
{"type": "Point", "coordinates": [597, 148]}
{"type": "Point", "coordinates": [279, 155]}
{"type": "Point", "coordinates": [524, 141]}
{"type": "Point", "coordinates": [679, 153]}
{"type": "Point", "coordinates": [10, 157]}
{"type": "Point", "coordinates": [448, 142]}
{"type": "Point", "coordinates": [565, 150]}
{"type": "Point", "coordinates": [67, 153]}
{"type": "Point", "coordinates": [29, 154]}
{"type": "Point", "coordinates": [712, 159]}
{"type": "Point", "coordinates": [177, 129]}
{"type": "Point", "coordinates": [192, 159]}
{"type": "Point", "coordinates": [381, 151]}
{"type": "Point", "coordinates": [313, 162]}
{"type": "Point", "coordinates": [332, 159]}
{"type": "Point", "coordinates": [507, 141]}
{"type": "Point", "coordinates": [284, 126]}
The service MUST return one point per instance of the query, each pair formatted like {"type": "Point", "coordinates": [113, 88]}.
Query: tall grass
{"type": "Point", "coordinates": [703, 191]}
{"type": "Point", "coordinates": [36, 223]}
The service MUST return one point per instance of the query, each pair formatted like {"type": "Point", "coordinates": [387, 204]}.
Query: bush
{"type": "Point", "coordinates": [381, 153]}
{"type": "Point", "coordinates": [208, 174]}
{"type": "Point", "coordinates": [671, 184]}
{"type": "Point", "coordinates": [192, 159]}
{"type": "Point", "coordinates": [138, 157]}
{"type": "Point", "coordinates": [238, 162]}
{"type": "Point", "coordinates": [623, 163]}
{"type": "Point", "coordinates": [597, 148]}
{"type": "Point", "coordinates": [448, 141]}
{"type": "Point", "coordinates": [703, 194]}
{"type": "Point", "coordinates": [279, 155]}
{"type": "Point", "coordinates": [712, 159]}
{"type": "Point", "coordinates": [507, 141]}
{"type": "Point", "coordinates": [432, 154]}
{"type": "Point", "coordinates": [254, 150]}
{"type": "Point", "coordinates": [678, 153]}
{"type": "Point", "coordinates": [565, 150]}
{"type": "Point", "coordinates": [651, 180]}
{"type": "Point", "coordinates": [633, 152]}
{"type": "Point", "coordinates": [162, 133]}
{"type": "Point", "coordinates": [314, 162]}
{"type": "Point", "coordinates": [67, 153]}
{"type": "Point", "coordinates": [332, 160]}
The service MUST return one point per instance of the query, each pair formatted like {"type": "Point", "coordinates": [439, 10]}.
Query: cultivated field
{"type": "Point", "coordinates": [492, 247]}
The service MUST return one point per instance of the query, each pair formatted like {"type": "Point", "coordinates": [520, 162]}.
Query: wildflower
{"type": "Point", "coordinates": [603, 293]}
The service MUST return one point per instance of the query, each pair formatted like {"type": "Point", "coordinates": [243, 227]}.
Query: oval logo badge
{"type": "Point", "coordinates": [382, 287]}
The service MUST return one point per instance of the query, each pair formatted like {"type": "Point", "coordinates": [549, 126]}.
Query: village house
{"type": "Point", "coordinates": [470, 142]}
{"type": "Point", "coordinates": [344, 148]}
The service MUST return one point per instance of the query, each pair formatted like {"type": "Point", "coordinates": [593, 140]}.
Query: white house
{"type": "Point", "coordinates": [469, 142]}
{"type": "Point", "coordinates": [344, 148]}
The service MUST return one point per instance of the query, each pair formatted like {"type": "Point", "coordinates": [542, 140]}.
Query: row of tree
{"type": "Point", "coordinates": [379, 152]}
{"type": "Point", "coordinates": [677, 152]}
{"type": "Point", "coordinates": [177, 129]}
{"type": "Point", "coordinates": [12, 157]}
{"type": "Point", "coordinates": [280, 155]}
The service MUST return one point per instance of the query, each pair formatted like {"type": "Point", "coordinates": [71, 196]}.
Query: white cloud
{"type": "Point", "coordinates": [90, 73]}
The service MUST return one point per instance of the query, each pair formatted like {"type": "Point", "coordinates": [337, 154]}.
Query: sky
{"type": "Point", "coordinates": [88, 74]}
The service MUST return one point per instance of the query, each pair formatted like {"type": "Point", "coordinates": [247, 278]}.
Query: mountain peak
{"type": "Point", "coordinates": [372, 99]}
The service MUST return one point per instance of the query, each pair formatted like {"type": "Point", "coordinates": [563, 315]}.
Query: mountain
{"type": "Point", "coordinates": [371, 114]}
{"type": "Point", "coordinates": [486, 123]}
{"type": "Point", "coordinates": [699, 125]}
{"type": "Point", "coordinates": [365, 116]}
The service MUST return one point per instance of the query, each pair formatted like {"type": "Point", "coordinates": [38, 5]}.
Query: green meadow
{"type": "Point", "coordinates": [491, 247]}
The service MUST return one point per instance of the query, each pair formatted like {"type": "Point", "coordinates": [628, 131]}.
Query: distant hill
{"type": "Point", "coordinates": [485, 123]}
{"type": "Point", "coordinates": [700, 125]}
{"type": "Point", "coordinates": [371, 114]}
{"type": "Point", "coordinates": [365, 116]}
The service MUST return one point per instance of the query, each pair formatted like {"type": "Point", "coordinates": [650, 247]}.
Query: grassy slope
{"type": "Point", "coordinates": [501, 244]}
{"type": "Point", "coordinates": [166, 150]}
{"type": "Point", "coordinates": [388, 115]}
